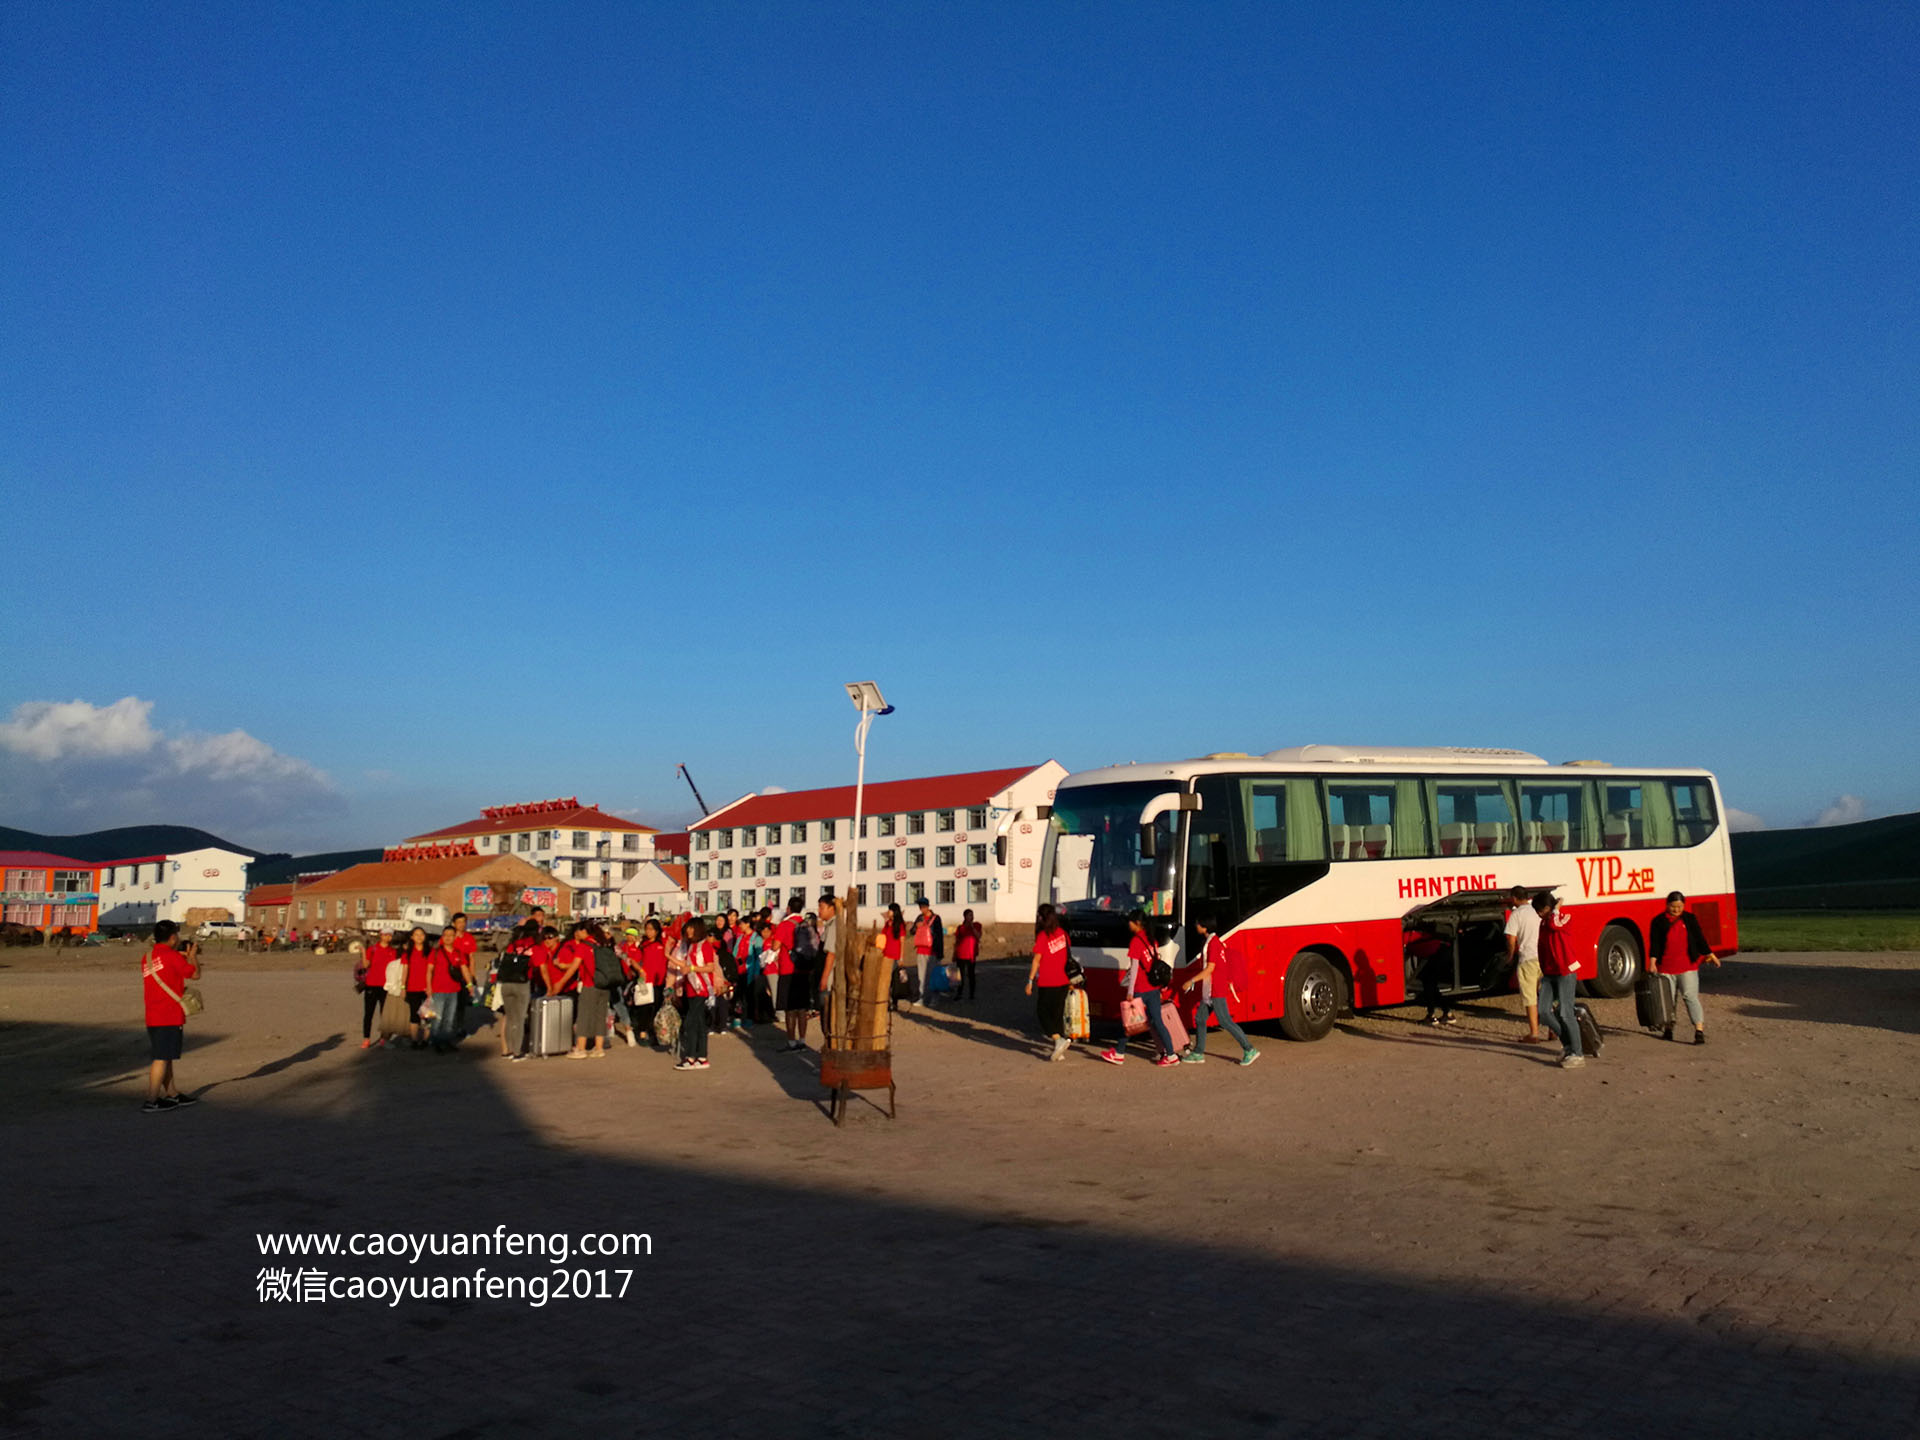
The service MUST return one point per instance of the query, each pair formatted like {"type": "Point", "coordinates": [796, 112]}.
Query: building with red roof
{"type": "Point", "coordinates": [585, 849]}
{"type": "Point", "coordinates": [936, 836]}
{"type": "Point", "coordinates": [49, 892]}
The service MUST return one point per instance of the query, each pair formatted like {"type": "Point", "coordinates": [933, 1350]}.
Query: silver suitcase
{"type": "Point", "coordinates": [552, 1025]}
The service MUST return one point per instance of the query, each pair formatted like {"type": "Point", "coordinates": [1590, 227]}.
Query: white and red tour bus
{"type": "Point", "coordinates": [1314, 862]}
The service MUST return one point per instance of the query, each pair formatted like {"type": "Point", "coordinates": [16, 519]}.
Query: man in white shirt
{"type": "Point", "coordinates": [1523, 948]}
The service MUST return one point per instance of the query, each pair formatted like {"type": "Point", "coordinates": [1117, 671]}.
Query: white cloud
{"type": "Point", "coordinates": [1739, 821]}
{"type": "Point", "coordinates": [1843, 811]}
{"type": "Point", "coordinates": [68, 766]}
{"type": "Point", "coordinates": [774, 790]}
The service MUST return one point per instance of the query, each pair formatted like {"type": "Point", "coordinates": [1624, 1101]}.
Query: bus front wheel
{"type": "Point", "coordinates": [1617, 962]}
{"type": "Point", "coordinates": [1313, 997]}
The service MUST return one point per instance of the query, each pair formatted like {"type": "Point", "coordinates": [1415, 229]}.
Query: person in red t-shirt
{"type": "Point", "coordinates": [1222, 980]}
{"type": "Point", "coordinates": [446, 982]}
{"type": "Point", "coordinates": [1141, 953]}
{"type": "Point", "coordinates": [1678, 945]}
{"type": "Point", "coordinates": [1049, 978]}
{"type": "Point", "coordinates": [893, 935]}
{"type": "Point", "coordinates": [966, 954]}
{"type": "Point", "coordinates": [651, 969]}
{"type": "Point", "coordinates": [572, 973]}
{"type": "Point", "coordinates": [373, 988]}
{"type": "Point", "coordinates": [417, 958]}
{"type": "Point", "coordinates": [164, 972]}
{"type": "Point", "coordinates": [1558, 978]}
{"type": "Point", "coordinates": [695, 974]}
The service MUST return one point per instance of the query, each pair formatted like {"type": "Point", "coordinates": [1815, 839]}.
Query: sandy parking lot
{"type": "Point", "coordinates": [1395, 1231]}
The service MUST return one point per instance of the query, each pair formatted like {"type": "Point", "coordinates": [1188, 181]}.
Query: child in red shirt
{"type": "Point", "coordinates": [164, 972]}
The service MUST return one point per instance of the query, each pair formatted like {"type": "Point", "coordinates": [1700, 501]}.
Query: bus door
{"type": "Point", "coordinates": [1474, 924]}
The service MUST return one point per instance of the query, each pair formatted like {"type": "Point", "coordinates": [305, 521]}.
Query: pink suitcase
{"type": "Point", "coordinates": [1176, 1027]}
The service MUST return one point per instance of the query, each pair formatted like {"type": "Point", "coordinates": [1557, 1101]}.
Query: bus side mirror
{"type": "Point", "coordinates": [1149, 843]}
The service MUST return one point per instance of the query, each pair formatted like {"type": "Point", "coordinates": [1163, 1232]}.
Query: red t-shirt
{"type": "Point", "coordinates": [1141, 953]}
{"type": "Point", "coordinates": [1229, 968]}
{"type": "Point", "coordinates": [1556, 956]}
{"type": "Point", "coordinates": [1053, 949]}
{"type": "Point", "coordinates": [701, 954]}
{"type": "Point", "coordinates": [163, 963]}
{"type": "Point", "coordinates": [379, 957]}
{"type": "Point", "coordinates": [775, 960]}
{"type": "Point", "coordinates": [1676, 956]}
{"type": "Point", "coordinates": [441, 965]}
{"type": "Point", "coordinates": [465, 945]}
{"type": "Point", "coordinates": [571, 951]}
{"type": "Point", "coordinates": [783, 932]}
{"type": "Point", "coordinates": [418, 962]}
{"type": "Point", "coordinates": [892, 951]}
{"type": "Point", "coordinates": [653, 962]}
{"type": "Point", "coordinates": [966, 941]}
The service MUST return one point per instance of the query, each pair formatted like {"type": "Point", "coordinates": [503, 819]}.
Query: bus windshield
{"type": "Point", "coordinates": [1092, 860]}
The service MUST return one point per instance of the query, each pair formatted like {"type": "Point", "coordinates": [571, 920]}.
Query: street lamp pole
{"type": "Point", "coordinates": [869, 702]}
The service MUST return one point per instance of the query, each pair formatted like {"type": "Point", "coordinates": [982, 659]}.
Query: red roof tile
{"type": "Point", "coordinates": [884, 797]}
{"type": "Point", "coordinates": [41, 860]}
{"type": "Point", "coordinates": [270, 894]}
{"type": "Point", "coordinates": [676, 873]}
{"type": "Point", "coordinates": [400, 874]}
{"type": "Point", "coordinates": [579, 817]}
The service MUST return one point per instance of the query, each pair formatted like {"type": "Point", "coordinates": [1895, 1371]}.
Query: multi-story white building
{"type": "Point", "coordinates": [188, 888]}
{"type": "Point", "coordinates": [585, 849]}
{"type": "Point", "coordinates": [934, 837]}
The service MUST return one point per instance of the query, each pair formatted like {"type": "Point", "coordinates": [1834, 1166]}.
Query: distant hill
{"type": "Point", "coordinates": [1871, 864]}
{"type": "Point", "coordinates": [278, 869]}
{"type": "Point", "coordinates": [122, 844]}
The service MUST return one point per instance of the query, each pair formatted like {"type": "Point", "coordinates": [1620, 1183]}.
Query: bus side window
{"type": "Point", "coordinates": [1623, 826]}
{"type": "Point", "coordinates": [1693, 813]}
{"type": "Point", "coordinates": [1380, 820]}
{"type": "Point", "coordinates": [1552, 818]}
{"type": "Point", "coordinates": [1473, 817]}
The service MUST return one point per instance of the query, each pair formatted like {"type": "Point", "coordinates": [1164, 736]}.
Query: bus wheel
{"type": "Point", "coordinates": [1618, 957]}
{"type": "Point", "coordinates": [1313, 997]}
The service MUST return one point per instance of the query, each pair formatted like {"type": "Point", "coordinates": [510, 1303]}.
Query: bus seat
{"type": "Point", "coordinates": [1378, 842]}
{"type": "Point", "coordinates": [1490, 837]}
{"type": "Point", "coordinates": [1269, 845]}
{"type": "Point", "coordinates": [1618, 831]}
{"type": "Point", "coordinates": [1455, 839]}
{"type": "Point", "coordinates": [1340, 840]}
{"type": "Point", "coordinates": [1530, 836]}
{"type": "Point", "coordinates": [1554, 834]}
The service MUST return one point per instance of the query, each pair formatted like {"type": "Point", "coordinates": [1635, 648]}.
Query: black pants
{"type": "Point", "coordinates": [1430, 988]}
{"type": "Point", "coordinates": [371, 999]}
{"type": "Point", "coordinates": [1050, 1008]}
{"type": "Point", "coordinates": [969, 985]}
{"type": "Point", "coordinates": [693, 1029]}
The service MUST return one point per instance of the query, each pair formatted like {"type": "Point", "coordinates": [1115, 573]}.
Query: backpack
{"type": "Point", "coordinates": [806, 940]}
{"type": "Point", "coordinates": [512, 967]}
{"type": "Point", "coordinates": [607, 969]}
{"type": "Point", "coordinates": [1159, 974]}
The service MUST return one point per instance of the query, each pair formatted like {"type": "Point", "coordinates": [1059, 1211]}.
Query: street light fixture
{"type": "Point", "coordinates": [867, 699]}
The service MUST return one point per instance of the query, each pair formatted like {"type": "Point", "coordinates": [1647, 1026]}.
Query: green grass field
{"type": "Point", "coordinates": [1830, 930]}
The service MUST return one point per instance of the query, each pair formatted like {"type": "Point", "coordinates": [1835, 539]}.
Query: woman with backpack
{"type": "Point", "coordinates": [1141, 983]}
{"type": "Point", "coordinates": [513, 973]}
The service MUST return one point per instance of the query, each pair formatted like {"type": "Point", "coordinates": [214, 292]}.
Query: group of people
{"type": "Point", "coordinates": [925, 977]}
{"type": "Point", "coordinates": [669, 983]}
{"type": "Point", "coordinates": [1149, 989]}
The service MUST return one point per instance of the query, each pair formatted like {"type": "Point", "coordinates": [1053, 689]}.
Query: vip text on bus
{"type": "Point", "coordinates": [1318, 862]}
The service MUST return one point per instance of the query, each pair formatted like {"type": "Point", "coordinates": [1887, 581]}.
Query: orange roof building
{"type": "Point", "coordinates": [362, 896]}
{"type": "Point", "coordinates": [582, 847]}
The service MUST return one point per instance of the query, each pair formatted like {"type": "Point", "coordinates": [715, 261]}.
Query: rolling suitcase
{"type": "Point", "coordinates": [1652, 1002]}
{"type": "Point", "coordinates": [1590, 1037]}
{"type": "Point", "coordinates": [551, 1026]}
{"type": "Point", "coordinates": [1176, 1027]}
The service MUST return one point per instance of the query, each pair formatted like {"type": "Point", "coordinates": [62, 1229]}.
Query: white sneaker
{"type": "Point", "coordinates": [1060, 1047]}
{"type": "Point", "coordinates": [1572, 1062]}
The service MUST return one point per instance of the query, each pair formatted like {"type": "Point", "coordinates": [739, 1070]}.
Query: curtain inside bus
{"type": "Point", "coordinates": [1379, 818]}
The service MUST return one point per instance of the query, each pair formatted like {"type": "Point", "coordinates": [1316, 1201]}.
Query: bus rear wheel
{"type": "Point", "coordinates": [1313, 997]}
{"type": "Point", "coordinates": [1617, 962]}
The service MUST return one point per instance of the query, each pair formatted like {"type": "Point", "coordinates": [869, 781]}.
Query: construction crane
{"type": "Point", "coordinates": [688, 777]}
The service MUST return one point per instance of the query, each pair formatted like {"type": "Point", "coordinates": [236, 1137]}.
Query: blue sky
{"type": "Point", "coordinates": [471, 403]}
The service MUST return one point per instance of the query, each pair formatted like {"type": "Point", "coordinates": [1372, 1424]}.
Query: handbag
{"type": "Point", "coordinates": [396, 982]}
{"type": "Point", "coordinates": [186, 997]}
{"type": "Point", "coordinates": [395, 1019]}
{"type": "Point", "coordinates": [1133, 1014]}
{"type": "Point", "coordinates": [1159, 973]}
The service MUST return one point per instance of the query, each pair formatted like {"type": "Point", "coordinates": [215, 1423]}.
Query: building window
{"type": "Point", "coordinates": [749, 835]}
{"type": "Point", "coordinates": [629, 842]}
{"type": "Point", "coordinates": [722, 900]}
{"type": "Point", "coordinates": [916, 859]}
{"type": "Point", "coordinates": [917, 823]}
{"type": "Point", "coordinates": [916, 892]}
{"type": "Point", "coordinates": [943, 892]}
{"type": "Point", "coordinates": [860, 861]}
{"type": "Point", "coordinates": [726, 870]}
{"type": "Point", "coordinates": [797, 865]}
{"type": "Point", "coordinates": [773, 834]}
{"type": "Point", "coordinates": [71, 882]}
{"type": "Point", "coordinates": [699, 869]}
{"type": "Point", "coordinates": [629, 869]}
{"type": "Point", "coordinates": [726, 839]}
{"type": "Point", "coordinates": [976, 854]}
{"type": "Point", "coordinates": [579, 840]}
{"type": "Point", "coordinates": [860, 894]}
{"type": "Point", "coordinates": [977, 818]}
{"type": "Point", "coordinates": [773, 866]}
{"type": "Point", "coordinates": [797, 832]}
{"type": "Point", "coordinates": [380, 905]}
{"type": "Point", "coordinates": [579, 870]}
{"type": "Point", "coordinates": [943, 822]}
{"type": "Point", "coordinates": [977, 892]}
{"type": "Point", "coordinates": [884, 860]}
{"type": "Point", "coordinates": [526, 841]}
{"type": "Point", "coordinates": [886, 895]}
{"type": "Point", "coordinates": [943, 857]}
{"type": "Point", "coordinates": [749, 868]}
{"type": "Point", "coordinates": [886, 825]}
{"type": "Point", "coordinates": [360, 905]}
{"type": "Point", "coordinates": [302, 908]}
{"type": "Point", "coordinates": [828, 829]}
{"type": "Point", "coordinates": [700, 839]}
{"type": "Point", "coordinates": [826, 862]}
{"type": "Point", "coordinates": [797, 895]}
{"type": "Point", "coordinates": [865, 820]}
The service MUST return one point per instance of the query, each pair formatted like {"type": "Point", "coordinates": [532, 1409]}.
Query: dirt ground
{"type": "Point", "coordinates": [1394, 1231]}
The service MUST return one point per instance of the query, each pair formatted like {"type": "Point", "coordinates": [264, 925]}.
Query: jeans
{"type": "Point", "coordinates": [1685, 988]}
{"type": "Point", "coordinates": [514, 999]}
{"type": "Point", "coordinates": [1156, 1022]}
{"type": "Point", "coordinates": [1556, 1009]}
{"type": "Point", "coordinates": [693, 1029]}
{"type": "Point", "coordinates": [446, 1020]}
{"type": "Point", "coordinates": [1217, 1007]}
